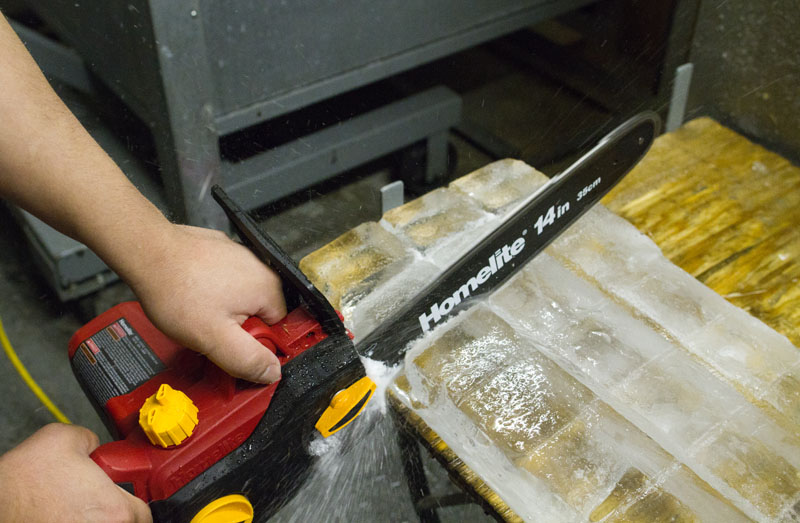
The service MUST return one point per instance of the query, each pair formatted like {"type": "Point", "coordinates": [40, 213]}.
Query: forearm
{"type": "Point", "coordinates": [50, 166]}
{"type": "Point", "coordinates": [196, 285]}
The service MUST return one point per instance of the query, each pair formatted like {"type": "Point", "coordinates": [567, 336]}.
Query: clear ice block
{"type": "Point", "coordinates": [629, 487]}
{"type": "Point", "coordinates": [523, 405]}
{"type": "Point", "coordinates": [705, 502]}
{"type": "Point", "coordinates": [583, 461]}
{"type": "Point", "coordinates": [764, 479]}
{"type": "Point", "coordinates": [527, 496]}
{"type": "Point", "coordinates": [654, 505]}
{"type": "Point", "coordinates": [675, 494]}
{"type": "Point", "coordinates": [500, 184]}
{"type": "Point", "coordinates": [442, 225]}
{"type": "Point", "coordinates": [355, 263]}
{"type": "Point", "coordinates": [784, 393]}
{"type": "Point", "coordinates": [676, 400]}
{"type": "Point", "coordinates": [578, 325]}
{"type": "Point", "coordinates": [608, 470]}
{"type": "Point", "coordinates": [748, 353]}
{"type": "Point", "coordinates": [364, 313]}
{"type": "Point", "coordinates": [476, 345]}
{"type": "Point", "coordinates": [630, 268]}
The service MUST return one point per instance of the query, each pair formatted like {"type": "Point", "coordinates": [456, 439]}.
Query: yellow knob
{"type": "Point", "coordinates": [229, 509]}
{"type": "Point", "coordinates": [168, 417]}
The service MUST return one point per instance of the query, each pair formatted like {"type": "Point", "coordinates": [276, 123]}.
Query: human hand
{"type": "Point", "coordinates": [202, 288]}
{"type": "Point", "coordinates": [50, 477]}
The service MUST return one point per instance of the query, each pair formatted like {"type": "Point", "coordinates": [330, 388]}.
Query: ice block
{"type": "Point", "coordinates": [499, 185]}
{"type": "Point", "coordinates": [629, 267]}
{"type": "Point", "coordinates": [602, 382]}
{"type": "Point", "coordinates": [636, 499]}
{"type": "Point", "coordinates": [382, 300]}
{"type": "Point", "coordinates": [765, 480]}
{"type": "Point", "coordinates": [349, 267]}
{"type": "Point", "coordinates": [442, 224]}
{"type": "Point", "coordinates": [479, 345]}
{"type": "Point", "coordinates": [526, 403]}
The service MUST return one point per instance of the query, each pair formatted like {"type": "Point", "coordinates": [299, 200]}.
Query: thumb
{"type": "Point", "coordinates": [241, 355]}
{"type": "Point", "coordinates": [139, 509]}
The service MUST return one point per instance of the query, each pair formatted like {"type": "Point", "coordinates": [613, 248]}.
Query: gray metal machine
{"type": "Point", "coordinates": [201, 71]}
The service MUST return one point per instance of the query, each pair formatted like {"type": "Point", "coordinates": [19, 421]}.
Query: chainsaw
{"type": "Point", "coordinates": [200, 446]}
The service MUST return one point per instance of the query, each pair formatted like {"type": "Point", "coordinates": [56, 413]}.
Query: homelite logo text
{"type": "Point", "coordinates": [496, 262]}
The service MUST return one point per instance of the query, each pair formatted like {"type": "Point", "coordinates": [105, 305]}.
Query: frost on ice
{"type": "Point", "coordinates": [601, 383]}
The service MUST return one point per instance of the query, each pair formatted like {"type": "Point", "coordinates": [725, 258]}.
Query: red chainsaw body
{"type": "Point", "coordinates": [228, 409]}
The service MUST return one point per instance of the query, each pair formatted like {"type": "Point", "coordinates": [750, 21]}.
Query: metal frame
{"type": "Point", "coordinates": [425, 503]}
{"type": "Point", "coordinates": [286, 169]}
{"type": "Point", "coordinates": [581, 77]}
{"type": "Point", "coordinates": [155, 56]}
{"type": "Point", "coordinates": [179, 102]}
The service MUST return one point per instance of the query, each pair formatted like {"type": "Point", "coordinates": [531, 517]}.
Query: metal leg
{"type": "Point", "coordinates": [680, 95]}
{"type": "Point", "coordinates": [415, 477]}
{"type": "Point", "coordinates": [392, 195]}
{"type": "Point", "coordinates": [187, 141]}
{"type": "Point", "coordinates": [436, 158]}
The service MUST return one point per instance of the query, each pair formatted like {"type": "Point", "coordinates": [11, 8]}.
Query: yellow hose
{"type": "Point", "coordinates": [29, 381]}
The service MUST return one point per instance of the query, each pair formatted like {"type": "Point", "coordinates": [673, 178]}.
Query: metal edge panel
{"type": "Point", "coordinates": [299, 97]}
{"type": "Point", "coordinates": [186, 138]}
{"type": "Point", "coordinates": [311, 159]}
{"type": "Point", "coordinates": [679, 43]}
{"type": "Point", "coordinates": [122, 67]}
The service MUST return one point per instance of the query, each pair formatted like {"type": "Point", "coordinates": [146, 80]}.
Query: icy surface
{"type": "Point", "coordinates": [354, 264]}
{"type": "Point", "coordinates": [441, 225]}
{"type": "Point", "coordinates": [533, 432]}
{"type": "Point", "coordinates": [601, 383]}
{"type": "Point", "coordinates": [630, 268]}
{"type": "Point", "coordinates": [501, 184]}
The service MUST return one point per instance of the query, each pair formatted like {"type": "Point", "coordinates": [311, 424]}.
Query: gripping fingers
{"type": "Point", "coordinates": [241, 355]}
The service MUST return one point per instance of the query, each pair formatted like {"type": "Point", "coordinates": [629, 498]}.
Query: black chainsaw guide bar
{"type": "Point", "coordinates": [530, 227]}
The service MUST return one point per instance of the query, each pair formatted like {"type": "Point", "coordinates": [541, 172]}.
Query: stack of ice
{"type": "Point", "coordinates": [601, 383]}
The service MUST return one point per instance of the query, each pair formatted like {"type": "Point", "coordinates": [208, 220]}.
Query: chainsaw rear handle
{"type": "Point", "coordinates": [246, 439]}
{"type": "Point", "coordinates": [132, 462]}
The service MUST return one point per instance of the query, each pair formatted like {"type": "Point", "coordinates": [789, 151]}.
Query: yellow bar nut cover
{"type": "Point", "coordinates": [229, 509]}
{"type": "Point", "coordinates": [345, 406]}
{"type": "Point", "coordinates": [168, 417]}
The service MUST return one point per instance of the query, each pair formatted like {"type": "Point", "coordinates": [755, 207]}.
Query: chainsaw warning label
{"type": "Point", "coordinates": [114, 361]}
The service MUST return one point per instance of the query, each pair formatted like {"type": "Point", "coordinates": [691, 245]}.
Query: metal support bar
{"type": "Point", "coordinates": [392, 195]}
{"type": "Point", "coordinates": [186, 139]}
{"type": "Point", "coordinates": [415, 476]}
{"type": "Point", "coordinates": [297, 165]}
{"type": "Point", "coordinates": [436, 157]}
{"type": "Point", "coordinates": [680, 96]}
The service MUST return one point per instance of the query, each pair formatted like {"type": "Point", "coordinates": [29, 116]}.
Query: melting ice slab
{"type": "Point", "coordinates": [602, 383]}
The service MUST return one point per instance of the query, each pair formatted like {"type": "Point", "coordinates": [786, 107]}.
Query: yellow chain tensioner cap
{"type": "Point", "coordinates": [229, 509]}
{"type": "Point", "coordinates": [345, 406]}
{"type": "Point", "coordinates": [168, 417]}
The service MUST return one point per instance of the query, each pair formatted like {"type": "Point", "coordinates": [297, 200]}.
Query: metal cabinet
{"type": "Point", "coordinates": [196, 71]}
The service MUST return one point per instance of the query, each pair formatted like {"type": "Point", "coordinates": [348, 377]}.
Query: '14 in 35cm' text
{"type": "Point", "coordinates": [557, 211]}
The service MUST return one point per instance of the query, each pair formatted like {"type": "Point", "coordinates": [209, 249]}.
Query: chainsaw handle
{"type": "Point", "coordinates": [269, 252]}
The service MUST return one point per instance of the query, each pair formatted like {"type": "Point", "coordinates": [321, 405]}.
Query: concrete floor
{"type": "Point", "coordinates": [516, 105]}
